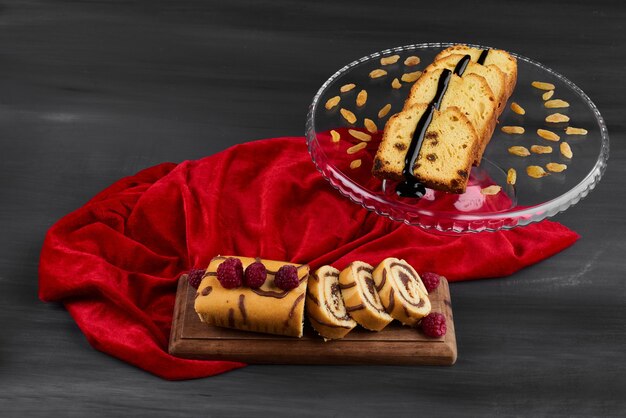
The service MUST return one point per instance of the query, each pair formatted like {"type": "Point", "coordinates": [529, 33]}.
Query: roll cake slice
{"type": "Point", "coordinates": [445, 157]}
{"type": "Point", "coordinates": [471, 94]}
{"type": "Point", "coordinates": [361, 298]}
{"type": "Point", "coordinates": [501, 59]}
{"type": "Point", "coordinates": [401, 291]}
{"type": "Point", "coordinates": [267, 309]}
{"type": "Point", "coordinates": [324, 304]}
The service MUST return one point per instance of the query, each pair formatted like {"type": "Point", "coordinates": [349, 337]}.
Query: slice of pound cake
{"type": "Point", "coordinates": [501, 59]}
{"type": "Point", "coordinates": [446, 154]}
{"type": "Point", "coordinates": [494, 76]}
{"type": "Point", "coordinates": [470, 93]}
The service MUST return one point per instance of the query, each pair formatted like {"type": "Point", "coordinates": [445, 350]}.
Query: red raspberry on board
{"type": "Point", "coordinates": [194, 277]}
{"type": "Point", "coordinates": [255, 275]}
{"type": "Point", "coordinates": [434, 325]}
{"type": "Point", "coordinates": [230, 273]}
{"type": "Point", "coordinates": [287, 277]}
{"type": "Point", "coordinates": [430, 280]}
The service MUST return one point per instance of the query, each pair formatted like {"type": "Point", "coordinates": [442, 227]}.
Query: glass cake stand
{"type": "Point", "coordinates": [529, 200]}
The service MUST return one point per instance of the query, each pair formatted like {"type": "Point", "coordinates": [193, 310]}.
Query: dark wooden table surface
{"type": "Point", "coordinates": [93, 91]}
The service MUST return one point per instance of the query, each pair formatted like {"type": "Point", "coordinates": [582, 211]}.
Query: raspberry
{"type": "Point", "coordinates": [430, 280]}
{"type": "Point", "coordinates": [230, 273]}
{"type": "Point", "coordinates": [194, 277]}
{"type": "Point", "coordinates": [434, 325]}
{"type": "Point", "coordinates": [287, 277]}
{"type": "Point", "coordinates": [255, 275]}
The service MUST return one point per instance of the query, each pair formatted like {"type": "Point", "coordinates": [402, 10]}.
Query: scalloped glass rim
{"type": "Point", "coordinates": [457, 222]}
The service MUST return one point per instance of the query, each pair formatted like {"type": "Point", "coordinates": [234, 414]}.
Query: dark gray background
{"type": "Point", "coordinates": [93, 91]}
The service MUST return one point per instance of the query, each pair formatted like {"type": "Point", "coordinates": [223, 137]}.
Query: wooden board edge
{"type": "Point", "coordinates": [450, 337]}
{"type": "Point", "coordinates": [175, 343]}
{"type": "Point", "coordinates": [273, 352]}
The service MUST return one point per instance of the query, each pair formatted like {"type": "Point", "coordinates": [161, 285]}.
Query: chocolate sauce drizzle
{"type": "Point", "coordinates": [411, 187]}
{"type": "Point", "coordinates": [392, 301]}
{"type": "Point", "coordinates": [364, 268]}
{"type": "Point", "coordinates": [311, 318]}
{"type": "Point", "coordinates": [355, 307]}
{"type": "Point", "coordinates": [347, 286]}
{"type": "Point", "coordinates": [271, 293]}
{"type": "Point", "coordinates": [313, 299]}
{"type": "Point", "coordinates": [231, 318]}
{"type": "Point", "coordinates": [293, 309]}
{"type": "Point", "coordinates": [462, 65]}
{"type": "Point", "coordinates": [382, 282]}
{"type": "Point", "coordinates": [483, 56]}
{"type": "Point", "coordinates": [242, 308]}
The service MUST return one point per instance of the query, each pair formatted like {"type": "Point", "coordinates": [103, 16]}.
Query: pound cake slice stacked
{"type": "Point", "coordinates": [466, 85]}
{"type": "Point", "coordinates": [497, 57]}
{"type": "Point", "coordinates": [493, 75]}
{"type": "Point", "coordinates": [447, 151]}
{"type": "Point", "coordinates": [470, 93]}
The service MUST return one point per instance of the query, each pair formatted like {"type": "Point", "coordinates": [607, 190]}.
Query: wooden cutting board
{"type": "Point", "coordinates": [396, 344]}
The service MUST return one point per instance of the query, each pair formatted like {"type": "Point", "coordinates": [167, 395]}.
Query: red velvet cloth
{"type": "Point", "coordinates": [114, 262]}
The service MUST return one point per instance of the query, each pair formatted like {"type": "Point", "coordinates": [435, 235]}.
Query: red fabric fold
{"type": "Point", "coordinates": [114, 262]}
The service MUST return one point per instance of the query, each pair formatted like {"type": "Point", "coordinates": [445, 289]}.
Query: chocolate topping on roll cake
{"type": "Point", "coordinates": [361, 298]}
{"type": "Point", "coordinates": [266, 309]}
{"type": "Point", "coordinates": [401, 291]}
{"type": "Point", "coordinates": [325, 306]}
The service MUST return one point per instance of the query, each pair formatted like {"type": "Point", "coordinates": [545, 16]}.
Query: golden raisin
{"type": "Point", "coordinates": [548, 135]}
{"type": "Point", "coordinates": [377, 73]}
{"type": "Point", "coordinates": [384, 110]}
{"type": "Point", "coordinates": [519, 151]}
{"type": "Point", "coordinates": [370, 126]}
{"type": "Point", "coordinates": [347, 87]}
{"type": "Point", "coordinates": [362, 136]}
{"type": "Point", "coordinates": [542, 86]}
{"type": "Point", "coordinates": [347, 115]}
{"type": "Point", "coordinates": [536, 171]}
{"type": "Point", "coordinates": [361, 98]}
{"type": "Point", "coordinates": [389, 60]}
{"type": "Point", "coordinates": [332, 102]}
